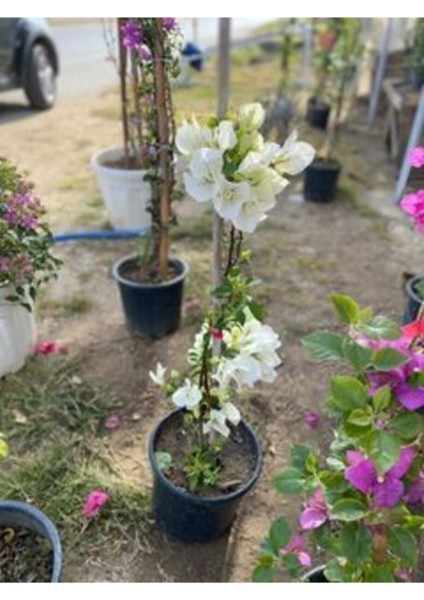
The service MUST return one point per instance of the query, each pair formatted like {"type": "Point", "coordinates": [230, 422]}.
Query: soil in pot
{"type": "Point", "coordinates": [320, 182]}
{"type": "Point", "coordinates": [25, 556]}
{"type": "Point", "coordinates": [132, 164]}
{"type": "Point", "coordinates": [236, 459]}
{"type": "Point", "coordinates": [139, 273]}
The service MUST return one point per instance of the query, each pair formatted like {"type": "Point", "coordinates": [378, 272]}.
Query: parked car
{"type": "Point", "coordinates": [29, 59]}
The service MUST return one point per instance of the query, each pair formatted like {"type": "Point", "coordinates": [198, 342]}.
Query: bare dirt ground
{"type": "Point", "coordinates": [359, 245]}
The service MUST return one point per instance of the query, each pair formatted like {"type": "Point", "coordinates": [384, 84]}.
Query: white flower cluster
{"type": "Point", "coordinates": [232, 166]}
{"type": "Point", "coordinates": [248, 355]}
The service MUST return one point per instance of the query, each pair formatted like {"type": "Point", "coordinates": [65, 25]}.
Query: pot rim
{"type": "Point", "coordinates": [51, 533]}
{"type": "Point", "coordinates": [179, 262]}
{"type": "Point", "coordinates": [200, 500]}
{"type": "Point", "coordinates": [97, 164]}
{"type": "Point", "coordinates": [410, 287]}
{"type": "Point", "coordinates": [332, 164]}
{"type": "Point", "coordinates": [314, 571]}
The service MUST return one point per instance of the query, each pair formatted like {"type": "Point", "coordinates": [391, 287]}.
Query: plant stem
{"type": "Point", "coordinates": [164, 153]}
{"type": "Point", "coordinates": [123, 90]}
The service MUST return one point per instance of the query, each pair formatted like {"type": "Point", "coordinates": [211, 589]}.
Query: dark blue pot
{"type": "Point", "coordinates": [320, 180]}
{"type": "Point", "coordinates": [317, 113]}
{"type": "Point", "coordinates": [21, 514]}
{"type": "Point", "coordinates": [413, 300]}
{"type": "Point", "coordinates": [192, 518]}
{"type": "Point", "coordinates": [151, 310]}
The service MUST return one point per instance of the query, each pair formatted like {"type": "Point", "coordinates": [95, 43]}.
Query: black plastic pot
{"type": "Point", "coordinates": [151, 310]}
{"type": "Point", "coordinates": [413, 300]}
{"type": "Point", "coordinates": [315, 575]}
{"type": "Point", "coordinates": [21, 514]}
{"type": "Point", "coordinates": [320, 180]}
{"type": "Point", "coordinates": [192, 518]}
{"type": "Point", "coordinates": [317, 113]}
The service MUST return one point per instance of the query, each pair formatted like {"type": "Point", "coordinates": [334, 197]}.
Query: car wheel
{"type": "Point", "coordinates": [40, 86]}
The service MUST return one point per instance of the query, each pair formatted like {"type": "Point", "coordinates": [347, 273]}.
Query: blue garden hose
{"type": "Point", "coordinates": [119, 234]}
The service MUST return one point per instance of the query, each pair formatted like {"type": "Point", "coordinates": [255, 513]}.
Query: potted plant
{"type": "Point", "coordinates": [123, 172]}
{"type": "Point", "coordinates": [25, 263]}
{"type": "Point", "coordinates": [413, 205]}
{"type": "Point", "coordinates": [321, 176]}
{"type": "Point", "coordinates": [359, 518]}
{"type": "Point", "coordinates": [150, 282]}
{"type": "Point", "coordinates": [30, 548]}
{"type": "Point", "coordinates": [318, 109]}
{"type": "Point", "coordinates": [416, 56]}
{"type": "Point", "coordinates": [204, 456]}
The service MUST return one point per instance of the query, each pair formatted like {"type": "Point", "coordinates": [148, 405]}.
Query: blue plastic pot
{"type": "Point", "coordinates": [413, 300]}
{"type": "Point", "coordinates": [320, 180]}
{"type": "Point", "coordinates": [21, 514]}
{"type": "Point", "coordinates": [152, 310]}
{"type": "Point", "coordinates": [317, 113]}
{"type": "Point", "coordinates": [185, 516]}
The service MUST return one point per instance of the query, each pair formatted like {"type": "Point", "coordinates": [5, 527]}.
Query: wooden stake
{"type": "Point", "coordinates": [123, 88]}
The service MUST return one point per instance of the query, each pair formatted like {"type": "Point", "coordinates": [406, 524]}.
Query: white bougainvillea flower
{"type": "Point", "coordinates": [294, 156]}
{"type": "Point", "coordinates": [191, 137]}
{"type": "Point", "coordinates": [242, 370]}
{"type": "Point", "coordinates": [224, 136]}
{"type": "Point", "coordinates": [158, 376]}
{"type": "Point", "coordinates": [218, 419]}
{"type": "Point", "coordinates": [187, 396]}
{"type": "Point", "coordinates": [203, 180]}
{"type": "Point", "coordinates": [229, 199]}
{"type": "Point", "coordinates": [251, 116]}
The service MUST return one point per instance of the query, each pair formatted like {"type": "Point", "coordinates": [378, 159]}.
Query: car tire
{"type": "Point", "coordinates": [40, 85]}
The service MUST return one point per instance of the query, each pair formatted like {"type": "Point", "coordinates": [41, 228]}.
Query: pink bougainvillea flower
{"type": "Point", "coordinates": [113, 421]}
{"type": "Point", "coordinates": [386, 490]}
{"type": "Point", "coordinates": [297, 546]}
{"type": "Point", "coordinates": [52, 347]}
{"type": "Point", "coordinates": [94, 502]}
{"type": "Point", "coordinates": [217, 334]}
{"type": "Point", "coordinates": [413, 204]}
{"type": "Point", "coordinates": [416, 157]}
{"type": "Point", "coordinates": [132, 34]}
{"type": "Point", "coordinates": [315, 512]}
{"type": "Point", "coordinates": [415, 493]}
{"type": "Point", "coordinates": [311, 419]}
{"type": "Point", "coordinates": [169, 23]}
{"type": "Point", "coordinates": [414, 329]}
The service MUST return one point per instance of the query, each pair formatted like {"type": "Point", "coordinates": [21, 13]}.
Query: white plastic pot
{"type": "Point", "coordinates": [125, 193]}
{"type": "Point", "coordinates": [17, 334]}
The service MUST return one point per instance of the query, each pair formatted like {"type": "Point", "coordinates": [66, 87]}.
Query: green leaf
{"type": "Point", "coordinates": [382, 574]}
{"type": "Point", "coordinates": [359, 356]}
{"type": "Point", "coordinates": [383, 449]}
{"type": "Point", "coordinates": [360, 417]}
{"type": "Point", "coordinates": [356, 543]}
{"type": "Point", "coordinates": [279, 534]}
{"type": "Point", "coordinates": [382, 398]}
{"type": "Point", "coordinates": [4, 448]}
{"type": "Point", "coordinates": [404, 545]}
{"type": "Point", "coordinates": [348, 509]}
{"type": "Point", "coordinates": [348, 393]}
{"type": "Point", "coordinates": [291, 563]}
{"type": "Point", "coordinates": [408, 425]}
{"type": "Point", "coordinates": [346, 307]}
{"type": "Point", "coordinates": [388, 358]}
{"type": "Point", "coordinates": [299, 455]}
{"type": "Point", "coordinates": [163, 461]}
{"type": "Point", "coordinates": [380, 328]}
{"type": "Point", "coordinates": [324, 345]}
{"type": "Point", "coordinates": [290, 481]}
{"type": "Point", "coordinates": [263, 574]}
{"type": "Point", "coordinates": [257, 310]}
{"type": "Point", "coordinates": [333, 571]}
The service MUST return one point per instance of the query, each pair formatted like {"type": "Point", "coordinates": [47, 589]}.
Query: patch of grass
{"type": "Point", "coordinates": [378, 222]}
{"type": "Point", "coordinates": [59, 479]}
{"type": "Point", "coordinates": [48, 401]}
{"type": "Point", "coordinates": [196, 229]}
{"type": "Point", "coordinates": [76, 304]}
{"type": "Point", "coordinates": [110, 113]}
{"type": "Point", "coordinates": [248, 55]}
{"type": "Point", "coordinates": [72, 184]}
{"type": "Point", "coordinates": [85, 276]}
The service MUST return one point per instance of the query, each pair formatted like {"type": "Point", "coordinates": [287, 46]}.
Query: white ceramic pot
{"type": "Point", "coordinates": [125, 193]}
{"type": "Point", "coordinates": [17, 334]}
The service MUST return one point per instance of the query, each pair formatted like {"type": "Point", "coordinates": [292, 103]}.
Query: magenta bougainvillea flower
{"type": "Point", "coordinates": [132, 34]}
{"type": "Point", "coordinates": [94, 503]}
{"type": "Point", "coordinates": [416, 157]}
{"type": "Point", "coordinates": [385, 490]}
{"type": "Point", "coordinates": [413, 204]}
{"type": "Point", "coordinates": [311, 419]}
{"type": "Point", "coordinates": [113, 421]}
{"type": "Point", "coordinates": [315, 512]}
{"type": "Point", "coordinates": [297, 546]}
{"type": "Point", "coordinates": [46, 348]}
{"type": "Point", "coordinates": [415, 493]}
{"type": "Point", "coordinates": [169, 23]}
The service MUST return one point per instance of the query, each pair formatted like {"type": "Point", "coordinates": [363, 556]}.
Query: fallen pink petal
{"type": "Point", "coordinates": [113, 421]}
{"type": "Point", "coordinates": [50, 347]}
{"type": "Point", "coordinates": [192, 304]}
{"type": "Point", "coordinates": [311, 419]}
{"type": "Point", "coordinates": [94, 502]}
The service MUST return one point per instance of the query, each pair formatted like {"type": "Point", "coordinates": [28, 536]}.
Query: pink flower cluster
{"type": "Point", "coordinates": [413, 204]}
{"type": "Point", "coordinates": [18, 268]}
{"type": "Point", "coordinates": [22, 210]}
{"type": "Point", "coordinates": [132, 36]}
